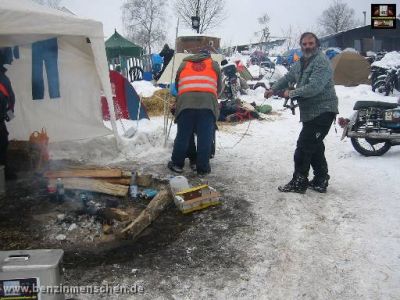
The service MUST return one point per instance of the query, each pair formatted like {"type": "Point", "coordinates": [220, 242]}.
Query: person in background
{"type": "Point", "coordinates": [198, 82]}
{"type": "Point", "coordinates": [167, 54]}
{"type": "Point", "coordinates": [7, 101]}
{"type": "Point", "coordinates": [318, 104]}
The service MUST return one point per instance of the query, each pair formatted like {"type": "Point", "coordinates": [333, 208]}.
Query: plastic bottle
{"type": "Point", "coordinates": [60, 191]}
{"type": "Point", "coordinates": [84, 198]}
{"type": "Point", "coordinates": [133, 188]}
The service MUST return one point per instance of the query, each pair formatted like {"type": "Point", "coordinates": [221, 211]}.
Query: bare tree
{"type": "Point", "coordinates": [145, 22]}
{"type": "Point", "coordinates": [291, 37]}
{"type": "Point", "coordinates": [50, 3]}
{"type": "Point", "coordinates": [337, 17]}
{"type": "Point", "coordinates": [264, 32]}
{"type": "Point", "coordinates": [211, 12]}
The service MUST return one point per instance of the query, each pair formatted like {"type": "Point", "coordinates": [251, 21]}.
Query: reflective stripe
{"type": "Point", "coordinates": [197, 85]}
{"type": "Point", "coordinates": [207, 78]}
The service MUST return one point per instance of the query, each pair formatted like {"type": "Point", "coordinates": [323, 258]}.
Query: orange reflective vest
{"type": "Point", "coordinates": [198, 77]}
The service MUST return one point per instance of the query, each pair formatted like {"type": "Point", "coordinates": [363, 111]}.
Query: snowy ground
{"type": "Point", "coordinates": [341, 245]}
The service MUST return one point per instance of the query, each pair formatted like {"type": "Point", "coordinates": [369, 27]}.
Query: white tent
{"type": "Point", "coordinates": [170, 71]}
{"type": "Point", "coordinates": [58, 89]}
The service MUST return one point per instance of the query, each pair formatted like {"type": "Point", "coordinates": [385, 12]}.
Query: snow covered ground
{"type": "Point", "coordinates": [341, 245]}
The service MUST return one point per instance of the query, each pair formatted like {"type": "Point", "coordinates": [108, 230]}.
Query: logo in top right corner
{"type": "Point", "coordinates": [383, 16]}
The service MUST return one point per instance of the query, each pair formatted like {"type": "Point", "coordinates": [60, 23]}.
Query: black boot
{"type": "Point", "coordinates": [319, 184]}
{"type": "Point", "coordinates": [298, 184]}
{"type": "Point", "coordinates": [192, 164]}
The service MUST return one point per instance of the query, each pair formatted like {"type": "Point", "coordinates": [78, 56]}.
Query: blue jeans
{"type": "Point", "coordinates": [201, 122]}
{"type": "Point", "coordinates": [45, 51]}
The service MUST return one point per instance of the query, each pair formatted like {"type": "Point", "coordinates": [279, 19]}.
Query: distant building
{"type": "Point", "coordinates": [196, 43]}
{"type": "Point", "coordinates": [365, 39]}
{"type": "Point", "coordinates": [265, 46]}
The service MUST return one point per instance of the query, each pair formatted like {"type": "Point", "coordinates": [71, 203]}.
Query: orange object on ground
{"type": "Point", "coordinates": [41, 140]}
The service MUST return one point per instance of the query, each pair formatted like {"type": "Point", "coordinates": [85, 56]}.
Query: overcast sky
{"type": "Point", "coordinates": [241, 21]}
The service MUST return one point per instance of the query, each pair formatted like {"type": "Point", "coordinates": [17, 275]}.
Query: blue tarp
{"type": "Point", "coordinates": [288, 57]}
{"type": "Point", "coordinates": [331, 53]}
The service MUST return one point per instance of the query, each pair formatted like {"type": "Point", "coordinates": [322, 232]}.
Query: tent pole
{"type": "Point", "coordinates": [166, 103]}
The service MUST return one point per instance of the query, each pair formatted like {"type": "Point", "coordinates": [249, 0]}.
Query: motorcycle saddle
{"type": "Point", "coordinates": [377, 104]}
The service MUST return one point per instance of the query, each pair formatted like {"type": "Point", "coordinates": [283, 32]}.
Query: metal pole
{"type": "Point", "coordinates": [197, 15]}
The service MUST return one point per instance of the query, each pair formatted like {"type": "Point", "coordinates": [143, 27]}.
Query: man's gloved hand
{"type": "Point", "coordinates": [286, 94]}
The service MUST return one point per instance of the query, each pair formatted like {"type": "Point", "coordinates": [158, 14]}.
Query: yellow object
{"type": "Point", "coordinates": [193, 189]}
{"type": "Point", "coordinates": [197, 198]}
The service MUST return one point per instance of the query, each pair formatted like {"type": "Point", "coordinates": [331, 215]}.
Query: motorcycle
{"type": "Point", "coordinates": [373, 128]}
{"type": "Point", "coordinates": [231, 81]}
{"type": "Point", "coordinates": [387, 82]}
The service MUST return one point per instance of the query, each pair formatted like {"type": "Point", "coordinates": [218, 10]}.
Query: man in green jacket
{"type": "Point", "coordinates": [198, 82]}
{"type": "Point", "coordinates": [318, 104]}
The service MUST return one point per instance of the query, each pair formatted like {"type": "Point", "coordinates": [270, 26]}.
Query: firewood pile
{"type": "Point", "coordinates": [126, 218]}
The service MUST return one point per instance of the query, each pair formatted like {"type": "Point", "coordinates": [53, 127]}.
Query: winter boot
{"type": "Point", "coordinates": [298, 184]}
{"type": "Point", "coordinates": [193, 166]}
{"type": "Point", "coordinates": [174, 167]}
{"type": "Point", "coordinates": [319, 184]}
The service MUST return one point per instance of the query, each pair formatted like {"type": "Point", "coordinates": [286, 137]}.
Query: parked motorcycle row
{"type": "Point", "coordinates": [384, 80]}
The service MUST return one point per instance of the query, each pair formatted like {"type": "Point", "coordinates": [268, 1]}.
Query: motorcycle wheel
{"type": "Point", "coordinates": [388, 89]}
{"type": "Point", "coordinates": [379, 85]}
{"type": "Point", "coordinates": [363, 147]}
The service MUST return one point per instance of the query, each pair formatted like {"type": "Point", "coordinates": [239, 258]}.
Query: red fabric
{"type": "Point", "coordinates": [4, 90]}
{"type": "Point", "coordinates": [119, 98]}
{"type": "Point", "coordinates": [239, 65]}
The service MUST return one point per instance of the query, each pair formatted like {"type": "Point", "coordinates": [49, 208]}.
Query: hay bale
{"type": "Point", "coordinates": [155, 103]}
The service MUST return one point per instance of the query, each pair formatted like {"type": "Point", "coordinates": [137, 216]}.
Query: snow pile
{"type": "Point", "coordinates": [390, 60]}
{"type": "Point", "coordinates": [243, 58]}
{"type": "Point", "coordinates": [277, 74]}
{"type": "Point", "coordinates": [144, 88]}
{"type": "Point", "coordinates": [350, 50]}
{"type": "Point", "coordinates": [148, 141]}
{"type": "Point", "coordinates": [256, 71]}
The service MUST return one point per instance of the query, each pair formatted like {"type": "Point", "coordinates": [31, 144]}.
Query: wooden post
{"type": "Point", "coordinates": [148, 215]}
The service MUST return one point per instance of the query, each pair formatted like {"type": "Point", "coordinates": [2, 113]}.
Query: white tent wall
{"type": "Point", "coordinates": [72, 116]}
{"type": "Point", "coordinates": [83, 72]}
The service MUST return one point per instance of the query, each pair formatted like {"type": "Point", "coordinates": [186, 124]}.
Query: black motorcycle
{"type": "Point", "coordinates": [373, 128]}
{"type": "Point", "coordinates": [385, 82]}
{"type": "Point", "coordinates": [231, 81]}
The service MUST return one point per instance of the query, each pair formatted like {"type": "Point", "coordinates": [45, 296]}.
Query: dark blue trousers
{"type": "Point", "coordinates": [45, 52]}
{"type": "Point", "coordinates": [201, 122]}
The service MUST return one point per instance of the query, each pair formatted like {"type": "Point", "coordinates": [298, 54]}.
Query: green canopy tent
{"type": "Point", "coordinates": [119, 50]}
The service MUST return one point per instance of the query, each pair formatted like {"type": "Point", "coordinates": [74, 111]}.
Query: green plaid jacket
{"type": "Point", "coordinates": [315, 89]}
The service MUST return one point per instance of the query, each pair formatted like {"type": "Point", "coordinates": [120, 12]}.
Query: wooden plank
{"type": "Point", "coordinates": [123, 181]}
{"type": "Point", "coordinates": [212, 195]}
{"type": "Point", "coordinates": [148, 215]}
{"type": "Point", "coordinates": [126, 174]}
{"type": "Point", "coordinates": [115, 173]}
{"type": "Point", "coordinates": [144, 180]}
{"type": "Point", "coordinates": [92, 185]}
{"type": "Point", "coordinates": [114, 214]}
